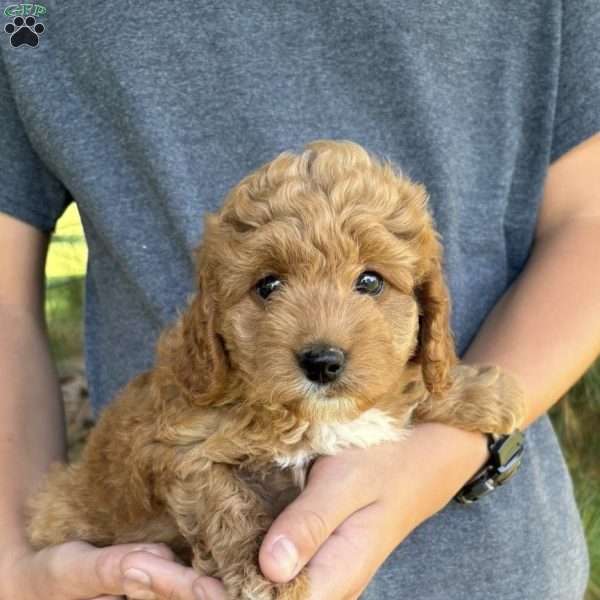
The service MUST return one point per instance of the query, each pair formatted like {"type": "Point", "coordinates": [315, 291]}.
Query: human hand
{"type": "Point", "coordinates": [360, 504]}
{"type": "Point", "coordinates": [380, 494]}
{"type": "Point", "coordinates": [78, 571]}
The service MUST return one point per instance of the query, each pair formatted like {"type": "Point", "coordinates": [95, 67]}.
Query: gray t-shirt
{"type": "Point", "coordinates": [147, 113]}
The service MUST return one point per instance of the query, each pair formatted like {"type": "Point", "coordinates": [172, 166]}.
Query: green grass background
{"type": "Point", "coordinates": [576, 417]}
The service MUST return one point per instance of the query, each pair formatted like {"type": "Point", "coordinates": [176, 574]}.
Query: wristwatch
{"type": "Point", "coordinates": [505, 459]}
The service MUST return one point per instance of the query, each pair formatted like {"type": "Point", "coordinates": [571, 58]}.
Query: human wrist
{"type": "Point", "coordinates": [437, 461]}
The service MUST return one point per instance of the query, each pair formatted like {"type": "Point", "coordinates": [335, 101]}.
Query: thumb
{"type": "Point", "coordinates": [302, 527]}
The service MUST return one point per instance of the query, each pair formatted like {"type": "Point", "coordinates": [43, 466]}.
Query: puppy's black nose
{"type": "Point", "coordinates": [321, 363]}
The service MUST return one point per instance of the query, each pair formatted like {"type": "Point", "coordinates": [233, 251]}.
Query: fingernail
{"type": "Point", "coordinates": [149, 550]}
{"type": "Point", "coordinates": [286, 555]}
{"type": "Point", "coordinates": [138, 576]}
{"type": "Point", "coordinates": [137, 585]}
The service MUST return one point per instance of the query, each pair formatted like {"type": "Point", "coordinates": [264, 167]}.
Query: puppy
{"type": "Point", "coordinates": [321, 322]}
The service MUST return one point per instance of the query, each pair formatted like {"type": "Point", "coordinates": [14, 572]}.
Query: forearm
{"type": "Point", "coordinates": [546, 328]}
{"type": "Point", "coordinates": [31, 437]}
{"type": "Point", "coordinates": [31, 417]}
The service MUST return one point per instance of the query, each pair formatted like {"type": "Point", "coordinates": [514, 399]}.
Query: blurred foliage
{"type": "Point", "coordinates": [65, 270]}
{"type": "Point", "coordinates": [577, 421]}
{"type": "Point", "coordinates": [576, 418]}
{"type": "Point", "coordinates": [64, 314]}
{"type": "Point", "coordinates": [67, 255]}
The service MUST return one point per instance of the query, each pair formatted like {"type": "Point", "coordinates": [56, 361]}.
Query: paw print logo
{"type": "Point", "coordinates": [24, 31]}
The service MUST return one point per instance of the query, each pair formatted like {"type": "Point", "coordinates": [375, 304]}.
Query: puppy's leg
{"type": "Point", "coordinates": [58, 512]}
{"type": "Point", "coordinates": [225, 521]}
{"type": "Point", "coordinates": [481, 399]}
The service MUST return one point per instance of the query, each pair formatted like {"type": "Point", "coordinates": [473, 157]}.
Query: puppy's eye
{"type": "Point", "coordinates": [370, 283]}
{"type": "Point", "coordinates": [267, 285]}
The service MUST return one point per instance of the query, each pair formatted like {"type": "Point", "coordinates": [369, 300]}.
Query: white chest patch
{"type": "Point", "coordinates": [372, 427]}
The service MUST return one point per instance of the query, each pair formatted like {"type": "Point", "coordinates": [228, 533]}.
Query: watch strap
{"type": "Point", "coordinates": [504, 461]}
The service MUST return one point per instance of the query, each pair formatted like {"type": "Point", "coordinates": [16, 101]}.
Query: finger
{"type": "Point", "coordinates": [334, 491]}
{"type": "Point", "coordinates": [210, 589]}
{"type": "Point", "coordinates": [145, 572]}
{"type": "Point", "coordinates": [79, 570]}
{"type": "Point", "coordinates": [360, 541]}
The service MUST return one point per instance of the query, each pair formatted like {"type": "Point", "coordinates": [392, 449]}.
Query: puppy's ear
{"type": "Point", "coordinates": [215, 356]}
{"type": "Point", "coordinates": [435, 351]}
{"type": "Point", "coordinates": [204, 349]}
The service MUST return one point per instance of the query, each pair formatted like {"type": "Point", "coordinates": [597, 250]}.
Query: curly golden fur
{"type": "Point", "coordinates": [204, 450]}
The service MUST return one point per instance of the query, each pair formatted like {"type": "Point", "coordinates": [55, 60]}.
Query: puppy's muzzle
{"type": "Point", "coordinates": [322, 363]}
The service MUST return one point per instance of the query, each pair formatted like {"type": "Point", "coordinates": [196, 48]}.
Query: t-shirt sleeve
{"type": "Point", "coordinates": [577, 114]}
{"type": "Point", "coordinates": [28, 191]}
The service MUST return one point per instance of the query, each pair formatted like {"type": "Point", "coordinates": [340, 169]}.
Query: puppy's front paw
{"type": "Point", "coordinates": [254, 586]}
{"type": "Point", "coordinates": [485, 399]}
{"type": "Point", "coordinates": [297, 589]}
{"type": "Point", "coordinates": [488, 399]}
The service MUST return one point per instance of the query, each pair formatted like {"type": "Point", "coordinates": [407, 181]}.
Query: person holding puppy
{"type": "Point", "coordinates": [147, 125]}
